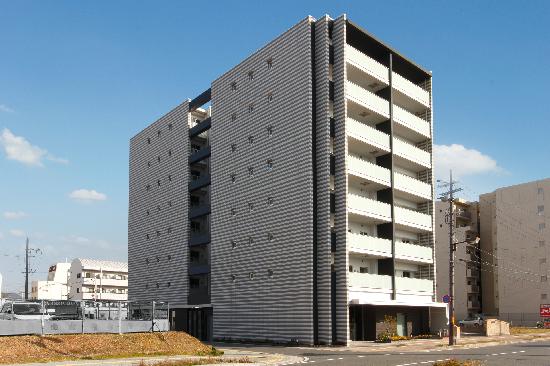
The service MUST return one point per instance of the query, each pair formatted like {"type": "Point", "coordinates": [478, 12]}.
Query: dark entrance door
{"type": "Point", "coordinates": [199, 323]}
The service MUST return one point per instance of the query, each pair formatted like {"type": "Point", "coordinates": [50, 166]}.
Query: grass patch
{"type": "Point", "coordinates": [525, 330]}
{"type": "Point", "coordinates": [459, 363]}
{"type": "Point", "coordinates": [27, 349]}
{"type": "Point", "coordinates": [203, 361]}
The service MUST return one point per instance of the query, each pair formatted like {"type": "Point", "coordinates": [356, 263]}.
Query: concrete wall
{"type": "Point", "coordinates": [21, 327]}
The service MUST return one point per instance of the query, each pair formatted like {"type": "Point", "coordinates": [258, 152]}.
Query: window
{"type": "Point", "coordinates": [168, 284]}
{"type": "Point", "coordinates": [170, 127]}
{"type": "Point", "coordinates": [158, 207]}
{"type": "Point", "coordinates": [251, 108]}
{"type": "Point", "coordinates": [195, 227]}
{"type": "Point", "coordinates": [158, 285]}
{"type": "Point", "coordinates": [541, 243]}
{"type": "Point", "coordinates": [233, 147]}
{"type": "Point", "coordinates": [169, 152]}
{"type": "Point", "coordinates": [251, 75]}
{"type": "Point", "coordinates": [233, 244]}
{"type": "Point", "coordinates": [148, 187]}
{"type": "Point", "coordinates": [269, 97]}
{"type": "Point", "coordinates": [158, 182]}
{"type": "Point", "coordinates": [147, 236]}
{"type": "Point", "coordinates": [250, 207]}
{"type": "Point", "coordinates": [149, 164]}
{"type": "Point", "coordinates": [158, 158]}
{"type": "Point", "coordinates": [270, 273]}
{"type": "Point", "coordinates": [77, 290]}
{"type": "Point", "coordinates": [233, 117]}
{"type": "Point", "coordinates": [350, 268]}
{"type": "Point", "coordinates": [269, 130]}
{"type": "Point", "coordinates": [146, 285]}
{"type": "Point", "coordinates": [169, 203]}
{"type": "Point", "coordinates": [169, 230]}
{"type": "Point", "coordinates": [540, 191]}
{"type": "Point", "coordinates": [158, 133]}
{"type": "Point", "coordinates": [78, 275]}
{"type": "Point", "coordinates": [233, 278]}
{"type": "Point", "coordinates": [540, 209]}
{"type": "Point", "coordinates": [251, 275]}
{"type": "Point", "coordinates": [542, 226]}
{"type": "Point", "coordinates": [157, 258]}
{"type": "Point", "coordinates": [543, 296]}
{"type": "Point", "coordinates": [148, 140]}
{"type": "Point", "coordinates": [269, 164]}
{"type": "Point", "coordinates": [406, 274]}
{"type": "Point", "coordinates": [233, 178]}
{"type": "Point", "coordinates": [250, 171]}
{"type": "Point", "coordinates": [269, 236]}
{"type": "Point", "coordinates": [363, 269]}
{"type": "Point", "coordinates": [250, 240]}
{"type": "Point", "coordinates": [269, 63]}
{"type": "Point", "coordinates": [169, 257]}
{"type": "Point", "coordinates": [543, 279]}
{"type": "Point", "coordinates": [270, 201]}
{"type": "Point", "coordinates": [233, 86]}
{"type": "Point", "coordinates": [542, 260]}
{"type": "Point", "coordinates": [233, 212]}
{"type": "Point", "coordinates": [250, 139]}
{"type": "Point", "coordinates": [169, 178]}
{"type": "Point", "coordinates": [158, 233]}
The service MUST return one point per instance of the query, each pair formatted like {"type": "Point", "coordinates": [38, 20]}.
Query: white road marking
{"type": "Point", "coordinates": [387, 354]}
{"type": "Point", "coordinates": [360, 356]}
{"type": "Point", "coordinates": [502, 353]}
{"type": "Point", "coordinates": [330, 359]}
{"type": "Point", "coordinates": [340, 358]}
{"type": "Point", "coordinates": [522, 351]}
{"type": "Point", "coordinates": [515, 352]}
{"type": "Point", "coordinates": [494, 354]}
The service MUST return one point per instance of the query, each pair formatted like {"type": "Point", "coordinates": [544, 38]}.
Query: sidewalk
{"type": "Point", "coordinates": [256, 358]}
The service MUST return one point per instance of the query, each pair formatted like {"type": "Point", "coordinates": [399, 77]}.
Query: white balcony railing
{"type": "Point", "coordinates": [370, 281]}
{"type": "Point", "coordinates": [367, 64]}
{"type": "Point", "coordinates": [380, 72]}
{"type": "Point", "coordinates": [411, 153]}
{"type": "Point", "coordinates": [368, 99]}
{"type": "Point", "coordinates": [411, 121]}
{"type": "Point", "coordinates": [413, 285]}
{"type": "Point", "coordinates": [367, 170]}
{"type": "Point", "coordinates": [369, 245]}
{"type": "Point", "coordinates": [105, 282]}
{"type": "Point", "coordinates": [411, 89]}
{"type": "Point", "coordinates": [367, 134]}
{"type": "Point", "coordinates": [412, 218]}
{"type": "Point", "coordinates": [413, 186]}
{"type": "Point", "coordinates": [368, 207]}
{"type": "Point", "coordinates": [413, 252]}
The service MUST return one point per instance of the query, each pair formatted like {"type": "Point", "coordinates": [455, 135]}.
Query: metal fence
{"type": "Point", "coordinates": [69, 317]}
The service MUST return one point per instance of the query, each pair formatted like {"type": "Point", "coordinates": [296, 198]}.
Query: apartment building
{"type": "Point", "coordinates": [56, 287]}
{"type": "Point", "coordinates": [467, 280]}
{"type": "Point", "coordinates": [515, 240]}
{"type": "Point", "coordinates": [98, 280]}
{"type": "Point", "coordinates": [293, 199]}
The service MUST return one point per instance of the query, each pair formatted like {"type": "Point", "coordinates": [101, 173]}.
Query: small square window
{"type": "Point", "coordinates": [270, 201]}
{"type": "Point", "coordinates": [147, 236]}
{"type": "Point", "coordinates": [169, 257]}
{"type": "Point", "coordinates": [169, 230]}
{"type": "Point", "coordinates": [542, 226]}
{"type": "Point", "coordinates": [158, 133]}
{"type": "Point", "coordinates": [269, 97]}
{"type": "Point", "coordinates": [350, 268]}
{"type": "Point", "coordinates": [269, 130]}
{"type": "Point", "coordinates": [146, 260]}
{"type": "Point", "coordinates": [158, 158]}
{"type": "Point", "coordinates": [233, 178]}
{"type": "Point", "coordinates": [147, 212]}
{"type": "Point", "coordinates": [250, 240]}
{"type": "Point", "coordinates": [233, 117]}
{"type": "Point", "coordinates": [251, 275]}
{"type": "Point", "coordinates": [149, 164]}
{"type": "Point", "coordinates": [269, 63]}
{"type": "Point", "coordinates": [169, 178]}
{"type": "Point", "coordinates": [251, 75]}
{"type": "Point", "coordinates": [269, 164]}
{"type": "Point", "coordinates": [233, 278]}
{"type": "Point", "coordinates": [270, 273]}
{"type": "Point", "coordinates": [146, 285]}
{"type": "Point", "coordinates": [543, 279]}
{"type": "Point", "coordinates": [233, 147]}
{"type": "Point", "coordinates": [250, 206]}
{"type": "Point", "coordinates": [251, 108]}
{"type": "Point", "coordinates": [148, 140]}
{"type": "Point", "coordinates": [169, 152]}
{"type": "Point", "coordinates": [250, 171]}
{"type": "Point", "coordinates": [148, 187]}
{"type": "Point", "coordinates": [168, 284]}
{"type": "Point", "coordinates": [251, 139]}
{"type": "Point", "coordinates": [543, 296]}
{"type": "Point", "coordinates": [158, 207]}
{"type": "Point", "coordinates": [233, 212]}
{"type": "Point", "coordinates": [269, 236]}
{"type": "Point", "coordinates": [158, 233]}
{"type": "Point", "coordinates": [169, 203]}
{"type": "Point", "coordinates": [540, 209]}
{"type": "Point", "coordinates": [233, 244]}
{"type": "Point", "coordinates": [170, 127]}
{"type": "Point", "coordinates": [158, 285]}
{"type": "Point", "coordinates": [234, 86]}
{"type": "Point", "coordinates": [157, 258]}
{"type": "Point", "coordinates": [158, 182]}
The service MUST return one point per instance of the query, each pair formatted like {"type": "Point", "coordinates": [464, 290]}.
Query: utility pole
{"type": "Point", "coordinates": [28, 256]}
{"type": "Point", "coordinates": [449, 195]}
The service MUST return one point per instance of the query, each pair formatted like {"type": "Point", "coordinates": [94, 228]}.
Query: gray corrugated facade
{"type": "Point", "coordinates": [268, 206]}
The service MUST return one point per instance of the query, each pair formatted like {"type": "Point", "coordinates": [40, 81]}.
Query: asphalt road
{"type": "Point", "coordinates": [532, 353]}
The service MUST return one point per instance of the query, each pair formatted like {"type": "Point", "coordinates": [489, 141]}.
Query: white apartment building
{"type": "Point", "coordinates": [98, 280]}
{"type": "Point", "coordinates": [299, 206]}
{"type": "Point", "coordinates": [56, 287]}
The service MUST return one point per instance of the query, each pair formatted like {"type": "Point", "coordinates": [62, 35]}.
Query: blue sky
{"type": "Point", "coordinates": [78, 79]}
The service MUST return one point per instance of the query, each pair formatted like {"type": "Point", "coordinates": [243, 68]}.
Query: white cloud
{"type": "Point", "coordinates": [19, 149]}
{"type": "Point", "coordinates": [462, 161]}
{"type": "Point", "coordinates": [1, 236]}
{"type": "Point", "coordinates": [11, 215]}
{"type": "Point", "coordinates": [87, 195]}
{"type": "Point", "coordinates": [5, 108]}
{"type": "Point", "coordinates": [17, 233]}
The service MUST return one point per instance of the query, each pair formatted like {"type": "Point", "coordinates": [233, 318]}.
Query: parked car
{"type": "Point", "coordinates": [476, 321]}
{"type": "Point", "coordinates": [23, 311]}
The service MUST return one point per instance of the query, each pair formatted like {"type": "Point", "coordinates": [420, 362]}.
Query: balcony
{"type": "Point", "coordinates": [463, 214]}
{"type": "Point", "coordinates": [367, 134]}
{"type": "Point", "coordinates": [474, 305]}
{"type": "Point", "coordinates": [405, 284]}
{"type": "Point", "coordinates": [199, 211]}
{"type": "Point", "coordinates": [198, 296]}
{"type": "Point", "coordinates": [200, 155]}
{"type": "Point", "coordinates": [366, 170]}
{"type": "Point", "coordinates": [105, 282]}
{"type": "Point", "coordinates": [378, 211]}
{"type": "Point", "coordinates": [199, 182]}
{"type": "Point", "coordinates": [200, 127]}
{"type": "Point", "coordinates": [411, 153]}
{"type": "Point", "coordinates": [472, 289]}
{"type": "Point", "coordinates": [412, 186]}
{"type": "Point", "coordinates": [413, 219]}
{"type": "Point", "coordinates": [199, 239]}
{"type": "Point", "coordinates": [365, 281]}
{"type": "Point", "coordinates": [413, 252]}
{"type": "Point", "coordinates": [371, 245]}
{"type": "Point", "coordinates": [380, 72]}
{"type": "Point", "coordinates": [420, 128]}
{"type": "Point", "coordinates": [472, 273]}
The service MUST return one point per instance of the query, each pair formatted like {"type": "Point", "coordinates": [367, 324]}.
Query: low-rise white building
{"type": "Point", "coordinates": [55, 287]}
{"type": "Point", "coordinates": [92, 279]}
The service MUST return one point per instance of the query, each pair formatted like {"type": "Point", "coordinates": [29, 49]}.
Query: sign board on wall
{"type": "Point", "coordinates": [545, 310]}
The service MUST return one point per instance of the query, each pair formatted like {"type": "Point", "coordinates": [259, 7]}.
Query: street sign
{"type": "Point", "coordinates": [447, 299]}
{"type": "Point", "coordinates": [545, 310]}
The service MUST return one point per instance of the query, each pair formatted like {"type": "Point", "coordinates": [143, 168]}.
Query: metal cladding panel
{"type": "Point", "coordinates": [277, 307]}
{"type": "Point", "coordinates": [340, 181]}
{"type": "Point", "coordinates": [322, 120]}
{"type": "Point", "coordinates": [157, 267]}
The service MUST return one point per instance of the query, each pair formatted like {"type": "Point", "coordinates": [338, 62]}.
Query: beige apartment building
{"type": "Point", "coordinates": [467, 267]}
{"type": "Point", "coordinates": [515, 240]}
